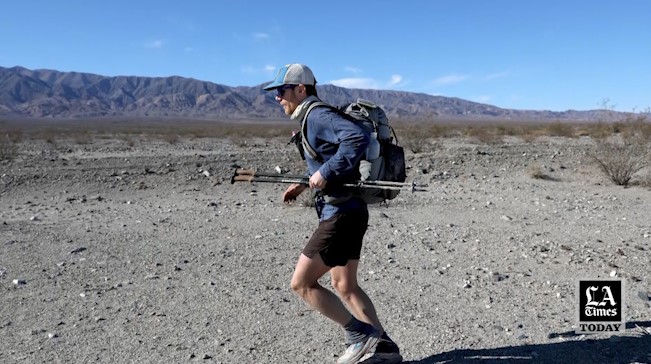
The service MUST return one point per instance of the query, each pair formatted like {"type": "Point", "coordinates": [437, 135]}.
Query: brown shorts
{"type": "Point", "coordinates": [339, 239]}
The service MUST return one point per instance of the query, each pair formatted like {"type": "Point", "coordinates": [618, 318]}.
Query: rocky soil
{"type": "Point", "coordinates": [145, 253]}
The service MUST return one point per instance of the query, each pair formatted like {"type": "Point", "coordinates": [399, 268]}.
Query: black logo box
{"type": "Point", "coordinates": [601, 300]}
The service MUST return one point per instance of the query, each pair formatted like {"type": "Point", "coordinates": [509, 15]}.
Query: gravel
{"type": "Point", "coordinates": [112, 253]}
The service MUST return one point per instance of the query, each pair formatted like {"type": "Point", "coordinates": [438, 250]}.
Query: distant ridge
{"type": "Point", "coordinates": [53, 94]}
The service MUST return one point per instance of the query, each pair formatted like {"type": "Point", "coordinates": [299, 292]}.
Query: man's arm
{"type": "Point", "coordinates": [353, 141]}
{"type": "Point", "coordinates": [293, 191]}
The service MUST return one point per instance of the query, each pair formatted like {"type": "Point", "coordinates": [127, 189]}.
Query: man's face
{"type": "Point", "coordinates": [290, 96]}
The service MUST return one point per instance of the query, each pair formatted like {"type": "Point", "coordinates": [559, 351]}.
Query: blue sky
{"type": "Point", "coordinates": [543, 55]}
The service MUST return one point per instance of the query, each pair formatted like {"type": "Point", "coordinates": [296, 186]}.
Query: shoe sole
{"type": "Point", "coordinates": [371, 343]}
{"type": "Point", "coordinates": [384, 358]}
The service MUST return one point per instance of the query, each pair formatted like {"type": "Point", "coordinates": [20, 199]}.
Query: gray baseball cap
{"type": "Point", "coordinates": [293, 74]}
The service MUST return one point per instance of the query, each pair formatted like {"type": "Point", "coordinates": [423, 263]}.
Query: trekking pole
{"type": "Point", "coordinates": [250, 175]}
{"type": "Point", "coordinates": [253, 172]}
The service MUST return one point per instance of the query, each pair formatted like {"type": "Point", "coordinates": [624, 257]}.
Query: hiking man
{"type": "Point", "coordinates": [336, 244]}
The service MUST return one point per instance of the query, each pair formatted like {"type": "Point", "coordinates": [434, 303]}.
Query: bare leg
{"type": "Point", "coordinates": [344, 281]}
{"type": "Point", "coordinates": [305, 284]}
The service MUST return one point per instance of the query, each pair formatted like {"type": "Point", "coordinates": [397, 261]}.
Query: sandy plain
{"type": "Point", "coordinates": [116, 251]}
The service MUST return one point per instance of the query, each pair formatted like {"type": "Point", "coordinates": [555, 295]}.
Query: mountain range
{"type": "Point", "coordinates": [46, 93]}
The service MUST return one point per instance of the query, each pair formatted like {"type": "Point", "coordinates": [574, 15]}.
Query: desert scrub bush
{"type": "Point", "coordinates": [49, 136]}
{"type": "Point", "coordinates": [507, 130]}
{"type": "Point", "coordinates": [559, 129]}
{"type": "Point", "coordinates": [128, 139]}
{"type": "Point", "coordinates": [416, 137]}
{"type": "Point", "coordinates": [622, 155]}
{"type": "Point", "coordinates": [484, 135]}
{"type": "Point", "coordinates": [8, 148]}
{"type": "Point", "coordinates": [536, 171]}
{"type": "Point", "coordinates": [635, 126]}
{"type": "Point", "coordinates": [529, 135]}
{"type": "Point", "coordinates": [82, 137]}
{"type": "Point", "coordinates": [599, 130]}
{"type": "Point", "coordinates": [170, 136]}
{"type": "Point", "coordinates": [619, 158]}
{"type": "Point", "coordinates": [415, 142]}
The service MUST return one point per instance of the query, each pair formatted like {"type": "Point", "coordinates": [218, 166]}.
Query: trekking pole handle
{"type": "Point", "coordinates": [244, 172]}
{"type": "Point", "coordinates": [242, 179]}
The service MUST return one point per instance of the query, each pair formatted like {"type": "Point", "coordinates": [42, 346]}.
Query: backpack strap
{"type": "Point", "coordinates": [306, 145]}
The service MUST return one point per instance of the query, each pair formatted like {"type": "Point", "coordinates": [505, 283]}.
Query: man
{"type": "Point", "coordinates": [336, 244]}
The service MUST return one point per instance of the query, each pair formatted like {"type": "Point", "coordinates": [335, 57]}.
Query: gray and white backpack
{"type": "Point", "coordinates": [384, 159]}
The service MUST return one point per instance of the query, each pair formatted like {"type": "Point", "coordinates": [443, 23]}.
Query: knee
{"type": "Point", "coordinates": [295, 285]}
{"type": "Point", "coordinates": [345, 288]}
{"type": "Point", "coordinates": [300, 286]}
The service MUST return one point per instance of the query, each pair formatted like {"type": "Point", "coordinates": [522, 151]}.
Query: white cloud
{"type": "Point", "coordinates": [257, 70]}
{"type": "Point", "coordinates": [450, 79]}
{"type": "Point", "coordinates": [155, 44]}
{"type": "Point", "coordinates": [367, 83]}
{"type": "Point", "coordinates": [395, 80]}
{"type": "Point", "coordinates": [261, 36]}
{"type": "Point", "coordinates": [352, 69]}
{"type": "Point", "coordinates": [363, 83]}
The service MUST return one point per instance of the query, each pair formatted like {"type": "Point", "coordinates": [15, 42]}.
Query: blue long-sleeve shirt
{"type": "Point", "coordinates": [340, 143]}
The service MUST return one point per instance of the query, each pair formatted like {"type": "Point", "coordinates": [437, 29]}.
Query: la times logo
{"type": "Point", "coordinates": [600, 306]}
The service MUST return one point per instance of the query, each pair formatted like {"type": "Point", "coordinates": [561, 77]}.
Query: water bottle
{"type": "Point", "coordinates": [373, 149]}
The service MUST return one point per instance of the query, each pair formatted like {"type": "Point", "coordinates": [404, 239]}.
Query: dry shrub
{"type": "Point", "coordinates": [530, 135]}
{"type": "Point", "coordinates": [8, 148]}
{"type": "Point", "coordinates": [170, 136]}
{"type": "Point", "coordinates": [82, 137]}
{"type": "Point", "coordinates": [484, 135]}
{"type": "Point", "coordinates": [15, 136]}
{"type": "Point", "coordinates": [635, 126]}
{"type": "Point", "coordinates": [599, 130]}
{"type": "Point", "coordinates": [128, 139]}
{"type": "Point", "coordinates": [414, 141]}
{"type": "Point", "coordinates": [619, 158]}
{"type": "Point", "coordinates": [418, 137]}
{"type": "Point", "coordinates": [508, 130]}
{"type": "Point", "coordinates": [643, 182]}
{"type": "Point", "coordinates": [558, 129]}
{"type": "Point", "coordinates": [50, 137]}
{"type": "Point", "coordinates": [536, 171]}
{"type": "Point", "coordinates": [623, 155]}
{"type": "Point", "coordinates": [170, 130]}
{"type": "Point", "coordinates": [631, 125]}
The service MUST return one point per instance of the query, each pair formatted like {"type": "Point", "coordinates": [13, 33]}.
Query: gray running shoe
{"type": "Point", "coordinates": [384, 358]}
{"type": "Point", "coordinates": [356, 351]}
{"type": "Point", "coordinates": [386, 352]}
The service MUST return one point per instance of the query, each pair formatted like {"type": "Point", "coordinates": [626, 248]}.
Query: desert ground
{"type": "Point", "coordinates": [142, 251]}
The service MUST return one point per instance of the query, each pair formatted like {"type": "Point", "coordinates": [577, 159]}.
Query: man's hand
{"type": "Point", "coordinates": [317, 181]}
{"type": "Point", "coordinates": [292, 192]}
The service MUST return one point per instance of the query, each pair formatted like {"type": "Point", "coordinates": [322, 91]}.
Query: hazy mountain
{"type": "Point", "coordinates": [54, 94]}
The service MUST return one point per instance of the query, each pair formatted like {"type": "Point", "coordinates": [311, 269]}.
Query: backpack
{"type": "Point", "coordinates": [384, 159]}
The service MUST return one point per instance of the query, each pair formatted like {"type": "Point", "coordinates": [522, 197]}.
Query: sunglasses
{"type": "Point", "coordinates": [280, 91]}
